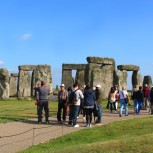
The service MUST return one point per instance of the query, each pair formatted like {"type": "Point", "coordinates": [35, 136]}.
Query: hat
{"type": "Point", "coordinates": [62, 85]}
{"type": "Point", "coordinates": [98, 86]}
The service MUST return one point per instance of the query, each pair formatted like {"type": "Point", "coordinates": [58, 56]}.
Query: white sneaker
{"type": "Point", "coordinates": [90, 125]}
{"type": "Point", "coordinates": [87, 125]}
{"type": "Point", "coordinates": [77, 125]}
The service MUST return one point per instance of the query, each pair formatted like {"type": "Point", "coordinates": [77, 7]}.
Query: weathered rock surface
{"type": "Point", "coordinates": [74, 66]}
{"type": "Point", "coordinates": [80, 77]}
{"type": "Point", "coordinates": [128, 67]}
{"type": "Point", "coordinates": [4, 84]}
{"type": "Point", "coordinates": [136, 79]}
{"type": "Point", "coordinates": [147, 80]}
{"type": "Point", "coordinates": [13, 86]}
{"type": "Point", "coordinates": [14, 74]}
{"type": "Point", "coordinates": [27, 67]}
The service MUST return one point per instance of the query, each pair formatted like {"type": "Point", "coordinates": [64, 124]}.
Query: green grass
{"type": "Point", "coordinates": [14, 110]}
{"type": "Point", "coordinates": [124, 136]}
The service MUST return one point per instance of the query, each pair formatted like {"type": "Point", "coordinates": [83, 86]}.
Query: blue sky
{"type": "Point", "coordinates": [67, 31]}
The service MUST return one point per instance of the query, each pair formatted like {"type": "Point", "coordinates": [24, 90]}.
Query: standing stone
{"type": "Point", "coordinates": [103, 77]}
{"type": "Point", "coordinates": [42, 73]}
{"type": "Point", "coordinates": [13, 85]}
{"type": "Point", "coordinates": [24, 84]}
{"type": "Point", "coordinates": [120, 78]}
{"type": "Point", "coordinates": [147, 80]}
{"type": "Point", "coordinates": [67, 78]}
{"type": "Point", "coordinates": [80, 77]}
{"type": "Point", "coordinates": [136, 79]}
{"type": "Point", "coordinates": [4, 84]}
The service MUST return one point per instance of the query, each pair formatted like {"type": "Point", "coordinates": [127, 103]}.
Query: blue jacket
{"type": "Point", "coordinates": [89, 97]}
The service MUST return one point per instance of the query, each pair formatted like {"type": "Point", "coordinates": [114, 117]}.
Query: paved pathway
{"type": "Point", "coordinates": [16, 136]}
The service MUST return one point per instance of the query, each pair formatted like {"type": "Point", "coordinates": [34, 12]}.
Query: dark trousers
{"type": "Point", "coordinates": [88, 115]}
{"type": "Point", "coordinates": [61, 105]}
{"type": "Point", "coordinates": [112, 105]}
{"type": "Point", "coordinates": [40, 108]}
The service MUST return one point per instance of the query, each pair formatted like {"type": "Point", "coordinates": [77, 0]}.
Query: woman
{"type": "Point", "coordinates": [89, 101]}
{"type": "Point", "coordinates": [112, 99]}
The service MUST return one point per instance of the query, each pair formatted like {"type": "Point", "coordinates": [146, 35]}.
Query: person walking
{"type": "Point", "coordinates": [43, 93]}
{"type": "Point", "coordinates": [74, 104]}
{"type": "Point", "coordinates": [139, 98]}
{"type": "Point", "coordinates": [116, 97]}
{"type": "Point", "coordinates": [123, 95]}
{"type": "Point", "coordinates": [89, 101]}
{"type": "Point", "coordinates": [146, 93]}
{"type": "Point", "coordinates": [62, 103]}
{"type": "Point", "coordinates": [133, 96]}
{"type": "Point", "coordinates": [112, 99]}
{"type": "Point", "coordinates": [99, 105]}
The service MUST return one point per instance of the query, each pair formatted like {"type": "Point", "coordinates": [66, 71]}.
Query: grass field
{"type": "Point", "coordinates": [14, 110]}
{"type": "Point", "coordinates": [129, 136]}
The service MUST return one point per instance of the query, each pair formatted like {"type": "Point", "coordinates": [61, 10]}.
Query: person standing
{"type": "Point", "coordinates": [89, 101]}
{"type": "Point", "coordinates": [133, 96]}
{"type": "Point", "coordinates": [116, 97]}
{"type": "Point", "coordinates": [62, 103]}
{"type": "Point", "coordinates": [99, 104]}
{"type": "Point", "coordinates": [123, 101]}
{"type": "Point", "coordinates": [151, 100]}
{"type": "Point", "coordinates": [139, 98]}
{"type": "Point", "coordinates": [43, 93]}
{"type": "Point", "coordinates": [112, 99]}
{"type": "Point", "coordinates": [146, 93]}
{"type": "Point", "coordinates": [75, 105]}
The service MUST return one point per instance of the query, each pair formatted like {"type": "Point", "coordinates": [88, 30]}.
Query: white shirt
{"type": "Point", "coordinates": [123, 94]}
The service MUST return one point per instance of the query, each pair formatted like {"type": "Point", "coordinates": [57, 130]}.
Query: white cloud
{"type": "Point", "coordinates": [26, 36]}
{"type": "Point", "coordinates": [1, 63]}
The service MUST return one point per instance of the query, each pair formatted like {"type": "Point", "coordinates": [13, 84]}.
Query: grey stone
{"type": "Point", "coordinates": [136, 79]}
{"type": "Point", "coordinates": [100, 60]}
{"type": "Point", "coordinates": [120, 78]}
{"type": "Point", "coordinates": [13, 86]}
{"type": "Point", "coordinates": [27, 67]}
{"type": "Point", "coordinates": [24, 84]}
{"type": "Point", "coordinates": [128, 67]}
{"type": "Point", "coordinates": [80, 77]}
{"type": "Point", "coordinates": [4, 84]}
{"type": "Point", "coordinates": [147, 80]}
{"type": "Point", "coordinates": [74, 66]}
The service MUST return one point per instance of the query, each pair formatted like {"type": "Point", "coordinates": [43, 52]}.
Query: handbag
{"type": "Point", "coordinates": [125, 99]}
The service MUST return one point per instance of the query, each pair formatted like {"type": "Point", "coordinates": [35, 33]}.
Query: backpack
{"type": "Point", "coordinates": [72, 97]}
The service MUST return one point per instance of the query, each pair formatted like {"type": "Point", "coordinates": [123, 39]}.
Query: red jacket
{"type": "Point", "coordinates": [146, 91]}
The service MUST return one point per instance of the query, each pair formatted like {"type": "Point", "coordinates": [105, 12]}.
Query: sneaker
{"type": "Point", "coordinates": [90, 125]}
{"type": "Point", "coordinates": [77, 125]}
{"type": "Point", "coordinates": [84, 119]}
{"type": "Point", "coordinates": [98, 124]}
{"type": "Point", "coordinates": [77, 116]}
{"type": "Point", "coordinates": [120, 115]}
{"type": "Point", "coordinates": [87, 125]}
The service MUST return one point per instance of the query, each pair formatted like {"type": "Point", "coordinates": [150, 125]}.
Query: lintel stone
{"type": "Point", "coordinates": [128, 67]}
{"type": "Point", "coordinates": [74, 66]}
{"type": "Point", "coordinates": [27, 67]}
{"type": "Point", "coordinates": [14, 74]}
{"type": "Point", "coordinates": [100, 60]}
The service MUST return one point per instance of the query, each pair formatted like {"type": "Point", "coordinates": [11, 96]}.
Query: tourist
{"type": "Point", "coordinates": [112, 99]}
{"type": "Point", "coordinates": [62, 103]}
{"type": "Point", "coordinates": [133, 96]}
{"type": "Point", "coordinates": [116, 97]}
{"type": "Point", "coordinates": [146, 93]}
{"type": "Point", "coordinates": [140, 98]}
{"type": "Point", "coordinates": [89, 101]}
{"type": "Point", "coordinates": [151, 100]}
{"type": "Point", "coordinates": [75, 105]}
{"type": "Point", "coordinates": [99, 104]}
{"type": "Point", "coordinates": [43, 93]}
{"type": "Point", "coordinates": [123, 95]}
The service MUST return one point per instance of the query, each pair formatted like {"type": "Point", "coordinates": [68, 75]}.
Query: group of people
{"type": "Point", "coordinates": [89, 101]}
{"type": "Point", "coordinates": [86, 99]}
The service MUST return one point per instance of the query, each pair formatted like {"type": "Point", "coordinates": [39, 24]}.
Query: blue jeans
{"type": "Point", "coordinates": [99, 107]}
{"type": "Point", "coordinates": [73, 113]}
{"type": "Point", "coordinates": [139, 106]}
{"type": "Point", "coordinates": [125, 105]}
{"type": "Point", "coordinates": [135, 105]}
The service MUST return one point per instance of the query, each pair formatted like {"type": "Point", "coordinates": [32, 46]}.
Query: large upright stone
{"type": "Point", "coordinates": [136, 79]}
{"type": "Point", "coordinates": [104, 77]}
{"type": "Point", "coordinates": [13, 84]}
{"type": "Point", "coordinates": [24, 84]}
{"type": "Point", "coordinates": [67, 78]}
{"type": "Point", "coordinates": [42, 73]}
{"type": "Point", "coordinates": [4, 84]}
{"type": "Point", "coordinates": [120, 78]}
{"type": "Point", "coordinates": [80, 77]}
{"type": "Point", "coordinates": [128, 67]}
{"type": "Point", "coordinates": [147, 80]}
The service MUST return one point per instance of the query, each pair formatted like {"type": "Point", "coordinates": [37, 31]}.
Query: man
{"type": "Point", "coordinates": [75, 105]}
{"type": "Point", "coordinates": [123, 96]}
{"type": "Point", "coordinates": [42, 96]}
{"type": "Point", "coordinates": [146, 93]}
{"type": "Point", "coordinates": [62, 103]}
